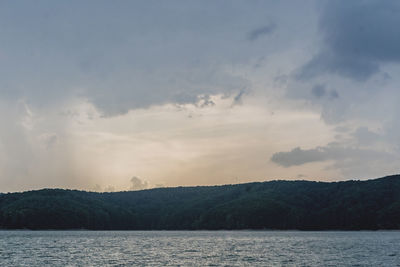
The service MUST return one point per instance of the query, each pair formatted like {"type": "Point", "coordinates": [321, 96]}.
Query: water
{"type": "Point", "coordinates": [198, 248]}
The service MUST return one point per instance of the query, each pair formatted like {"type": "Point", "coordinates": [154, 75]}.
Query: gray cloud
{"type": "Point", "coordinates": [366, 137]}
{"type": "Point", "coordinates": [318, 91]}
{"type": "Point", "coordinates": [138, 184]}
{"type": "Point", "coordinates": [298, 156]}
{"type": "Point", "coordinates": [259, 32]}
{"type": "Point", "coordinates": [329, 62]}
{"type": "Point", "coordinates": [333, 94]}
{"type": "Point", "coordinates": [127, 55]}
{"type": "Point", "coordinates": [205, 101]}
{"type": "Point", "coordinates": [238, 99]}
{"type": "Point", "coordinates": [358, 36]}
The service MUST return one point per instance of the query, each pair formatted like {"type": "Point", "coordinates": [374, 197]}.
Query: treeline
{"type": "Point", "coordinates": [303, 205]}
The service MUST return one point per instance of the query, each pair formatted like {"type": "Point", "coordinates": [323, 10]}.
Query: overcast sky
{"type": "Point", "coordinates": [119, 95]}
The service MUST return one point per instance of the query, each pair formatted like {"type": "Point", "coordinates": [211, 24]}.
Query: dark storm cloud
{"type": "Point", "coordinates": [125, 55]}
{"type": "Point", "coordinates": [136, 54]}
{"type": "Point", "coordinates": [358, 36]}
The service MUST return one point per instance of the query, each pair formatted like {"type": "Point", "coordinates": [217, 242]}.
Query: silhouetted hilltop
{"type": "Point", "coordinates": [305, 205]}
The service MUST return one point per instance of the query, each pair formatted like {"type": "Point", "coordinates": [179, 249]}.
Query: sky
{"type": "Point", "coordinates": [128, 95]}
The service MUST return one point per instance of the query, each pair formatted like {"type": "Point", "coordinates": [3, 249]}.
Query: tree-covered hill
{"type": "Point", "coordinates": [305, 205]}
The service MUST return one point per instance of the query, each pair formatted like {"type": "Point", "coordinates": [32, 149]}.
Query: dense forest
{"type": "Point", "coordinates": [303, 205]}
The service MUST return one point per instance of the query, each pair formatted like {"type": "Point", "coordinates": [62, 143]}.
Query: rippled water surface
{"type": "Point", "coordinates": [198, 248]}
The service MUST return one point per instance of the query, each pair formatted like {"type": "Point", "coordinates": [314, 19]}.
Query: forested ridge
{"type": "Point", "coordinates": [304, 205]}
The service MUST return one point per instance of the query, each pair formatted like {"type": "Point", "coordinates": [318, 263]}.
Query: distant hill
{"type": "Point", "coordinates": [303, 205]}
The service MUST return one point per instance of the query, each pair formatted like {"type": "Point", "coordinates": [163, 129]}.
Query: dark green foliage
{"type": "Point", "coordinates": [305, 205]}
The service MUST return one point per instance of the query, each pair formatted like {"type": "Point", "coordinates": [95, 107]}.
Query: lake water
{"type": "Point", "coordinates": [199, 248]}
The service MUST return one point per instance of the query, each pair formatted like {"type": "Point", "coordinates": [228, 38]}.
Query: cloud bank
{"type": "Point", "coordinates": [189, 93]}
{"type": "Point", "coordinates": [358, 37]}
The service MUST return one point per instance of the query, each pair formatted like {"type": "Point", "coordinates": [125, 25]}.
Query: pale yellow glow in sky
{"type": "Point", "coordinates": [184, 145]}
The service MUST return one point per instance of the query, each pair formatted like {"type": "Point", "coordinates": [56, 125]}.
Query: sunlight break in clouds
{"type": "Point", "coordinates": [169, 145]}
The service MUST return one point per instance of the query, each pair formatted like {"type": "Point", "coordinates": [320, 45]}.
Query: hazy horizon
{"type": "Point", "coordinates": [111, 96]}
{"type": "Point", "coordinates": [148, 187]}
